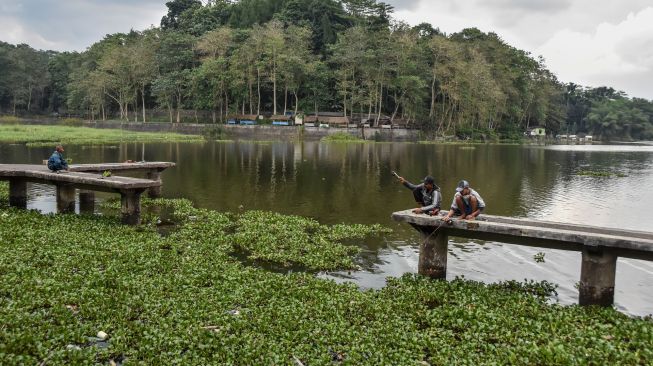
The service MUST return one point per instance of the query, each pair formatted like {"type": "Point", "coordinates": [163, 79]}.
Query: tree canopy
{"type": "Point", "coordinates": [212, 59]}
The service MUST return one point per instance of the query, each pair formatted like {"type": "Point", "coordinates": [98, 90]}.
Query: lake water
{"type": "Point", "coordinates": [352, 183]}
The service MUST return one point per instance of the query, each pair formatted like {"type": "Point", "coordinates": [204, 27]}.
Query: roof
{"type": "Point", "coordinates": [335, 120]}
{"type": "Point", "coordinates": [253, 117]}
{"type": "Point", "coordinates": [280, 117]}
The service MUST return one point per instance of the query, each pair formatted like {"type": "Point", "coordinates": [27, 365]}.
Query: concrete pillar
{"type": "Point", "coordinates": [154, 192]}
{"type": "Point", "coordinates": [65, 198]}
{"type": "Point", "coordinates": [18, 193]}
{"type": "Point", "coordinates": [597, 275]}
{"type": "Point", "coordinates": [131, 207]}
{"type": "Point", "coordinates": [86, 201]}
{"type": "Point", "coordinates": [433, 252]}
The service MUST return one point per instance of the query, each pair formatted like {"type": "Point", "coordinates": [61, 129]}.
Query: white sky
{"type": "Point", "coordinates": [589, 42]}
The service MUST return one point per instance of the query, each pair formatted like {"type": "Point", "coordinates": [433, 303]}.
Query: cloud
{"type": "Point", "coordinates": [618, 55]}
{"type": "Point", "coordinates": [609, 45]}
{"type": "Point", "coordinates": [74, 24]}
{"type": "Point", "coordinates": [530, 6]}
{"type": "Point", "coordinates": [403, 4]}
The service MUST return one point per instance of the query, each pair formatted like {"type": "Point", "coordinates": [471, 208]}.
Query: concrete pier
{"type": "Point", "coordinates": [18, 192]}
{"type": "Point", "coordinates": [65, 198]}
{"type": "Point", "coordinates": [130, 189]}
{"type": "Point", "coordinates": [130, 207]}
{"type": "Point", "coordinates": [155, 175]}
{"type": "Point", "coordinates": [86, 201]}
{"type": "Point", "coordinates": [597, 276]}
{"type": "Point", "coordinates": [600, 246]}
{"type": "Point", "coordinates": [433, 252]}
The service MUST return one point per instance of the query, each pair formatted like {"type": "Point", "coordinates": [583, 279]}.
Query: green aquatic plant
{"type": "Point", "coordinates": [342, 137]}
{"type": "Point", "coordinates": [184, 299]}
{"type": "Point", "coordinates": [282, 240]}
{"type": "Point", "coordinates": [4, 193]}
{"type": "Point", "coordinates": [598, 173]}
{"type": "Point", "coordinates": [297, 241]}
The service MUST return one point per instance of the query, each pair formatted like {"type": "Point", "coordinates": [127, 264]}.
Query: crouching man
{"type": "Point", "coordinates": [467, 203]}
{"type": "Point", "coordinates": [427, 195]}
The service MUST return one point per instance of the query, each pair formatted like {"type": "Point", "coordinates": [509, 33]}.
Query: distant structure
{"type": "Point", "coordinates": [536, 132]}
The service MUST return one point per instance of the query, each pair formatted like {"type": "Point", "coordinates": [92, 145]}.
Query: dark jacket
{"type": "Point", "coordinates": [430, 200]}
{"type": "Point", "coordinates": [56, 162]}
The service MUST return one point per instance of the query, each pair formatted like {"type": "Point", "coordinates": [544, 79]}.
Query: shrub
{"type": "Point", "coordinates": [9, 120]}
{"type": "Point", "coordinates": [213, 133]}
{"type": "Point", "coordinates": [341, 136]}
{"type": "Point", "coordinates": [73, 122]}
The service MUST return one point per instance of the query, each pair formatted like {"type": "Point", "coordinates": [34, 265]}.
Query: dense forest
{"type": "Point", "coordinates": [210, 60]}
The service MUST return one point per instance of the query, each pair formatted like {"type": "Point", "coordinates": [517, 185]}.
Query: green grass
{"type": "Point", "coordinates": [342, 137]}
{"type": "Point", "coordinates": [184, 299]}
{"type": "Point", "coordinates": [49, 135]}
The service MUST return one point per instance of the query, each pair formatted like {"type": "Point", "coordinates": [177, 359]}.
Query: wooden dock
{"type": "Point", "coordinates": [600, 247]}
{"type": "Point", "coordinates": [88, 178]}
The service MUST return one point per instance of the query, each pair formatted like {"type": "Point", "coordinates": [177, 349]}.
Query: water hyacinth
{"type": "Point", "coordinates": [184, 299]}
{"type": "Point", "coordinates": [268, 237]}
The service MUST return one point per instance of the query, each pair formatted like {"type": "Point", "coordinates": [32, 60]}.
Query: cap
{"type": "Point", "coordinates": [429, 180]}
{"type": "Point", "coordinates": [462, 185]}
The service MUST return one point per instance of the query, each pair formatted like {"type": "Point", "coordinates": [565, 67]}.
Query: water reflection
{"type": "Point", "coordinates": [352, 183]}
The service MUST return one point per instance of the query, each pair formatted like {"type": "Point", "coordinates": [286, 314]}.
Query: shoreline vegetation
{"type": "Point", "coordinates": [84, 289]}
{"type": "Point", "coordinates": [49, 135]}
{"type": "Point", "coordinates": [35, 135]}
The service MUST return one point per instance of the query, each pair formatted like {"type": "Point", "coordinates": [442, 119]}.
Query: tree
{"type": "Point", "coordinates": [213, 73]}
{"type": "Point", "coordinates": [175, 60]}
{"type": "Point", "coordinates": [142, 56]}
{"type": "Point", "coordinates": [176, 9]}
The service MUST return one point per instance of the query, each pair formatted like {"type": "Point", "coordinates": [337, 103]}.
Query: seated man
{"type": "Point", "coordinates": [467, 203]}
{"type": "Point", "coordinates": [426, 194]}
{"type": "Point", "coordinates": [56, 162]}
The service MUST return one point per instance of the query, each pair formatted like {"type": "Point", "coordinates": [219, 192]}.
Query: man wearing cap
{"type": "Point", "coordinates": [426, 194]}
{"type": "Point", "coordinates": [467, 203]}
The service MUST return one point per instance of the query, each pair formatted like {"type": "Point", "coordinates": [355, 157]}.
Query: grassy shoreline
{"type": "Point", "coordinates": [37, 135]}
{"type": "Point", "coordinates": [185, 299]}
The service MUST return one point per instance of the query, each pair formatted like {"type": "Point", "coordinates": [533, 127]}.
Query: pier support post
{"type": "Point", "coordinates": [18, 193]}
{"type": "Point", "coordinates": [65, 198]}
{"type": "Point", "coordinates": [154, 192]}
{"type": "Point", "coordinates": [131, 207]}
{"type": "Point", "coordinates": [597, 276]}
{"type": "Point", "coordinates": [433, 252]}
{"type": "Point", "coordinates": [86, 201]}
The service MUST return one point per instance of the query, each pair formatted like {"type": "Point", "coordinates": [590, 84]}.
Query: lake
{"type": "Point", "coordinates": [352, 183]}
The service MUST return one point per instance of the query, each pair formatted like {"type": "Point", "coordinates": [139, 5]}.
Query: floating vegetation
{"type": "Point", "coordinates": [342, 137]}
{"type": "Point", "coordinates": [87, 290]}
{"type": "Point", "coordinates": [539, 257]}
{"type": "Point", "coordinates": [284, 240]}
{"type": "Point", "coordinates": [293, 240]}
{"type": "Point", "coordinates": [4, 192]}
{"type": "Point", "coordinates": [598, 173]}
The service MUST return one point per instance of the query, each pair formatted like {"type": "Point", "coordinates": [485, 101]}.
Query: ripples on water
{"type": "Point", "coordinates": [352, 183]}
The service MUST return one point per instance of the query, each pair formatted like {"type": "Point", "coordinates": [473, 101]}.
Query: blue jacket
{"type": "Point", "coordinates": [57, 162]}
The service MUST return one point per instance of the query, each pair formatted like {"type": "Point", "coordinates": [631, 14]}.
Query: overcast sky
{"type": "Point", "coordinates": [589, 42]}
